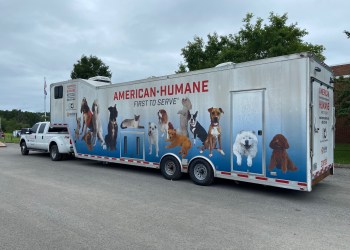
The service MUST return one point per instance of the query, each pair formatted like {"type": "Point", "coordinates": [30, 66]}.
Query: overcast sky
{"type": "Point", "coordinates": [136, 39]}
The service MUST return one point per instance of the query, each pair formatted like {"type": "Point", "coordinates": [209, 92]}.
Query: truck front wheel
{"type": "Point", "coordinates": [24, 149]}
{"type": "Point", "coordinates": [55, 155]}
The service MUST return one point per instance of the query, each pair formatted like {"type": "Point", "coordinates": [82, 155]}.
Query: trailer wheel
{"type": "Point", "coordinates": [201, 172]}
{"type": "Point", "coordinates": [55, 155]}
{"type": "Point", "coordinates": [170, 168]}
{"type": "Point", "coordinates": [24, 149]}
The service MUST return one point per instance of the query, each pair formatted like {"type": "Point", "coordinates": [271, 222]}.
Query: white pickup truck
{"type": "Point", "coordinates": [44, 137]}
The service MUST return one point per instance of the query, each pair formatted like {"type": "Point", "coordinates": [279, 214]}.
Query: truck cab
{"type": "Point", "coordinates": [47, 138]}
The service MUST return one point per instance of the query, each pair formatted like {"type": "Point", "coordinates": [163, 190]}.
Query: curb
{"type": "Point", "coordinates": [337, 165]}
{"type": "Point", "coordinates": [2, 144]}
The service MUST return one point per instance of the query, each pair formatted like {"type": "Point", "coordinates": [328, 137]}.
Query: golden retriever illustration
{"type": "Point", "coordinates": [178, 140]}
{"type": "Point", "coordinates": [279, 157]}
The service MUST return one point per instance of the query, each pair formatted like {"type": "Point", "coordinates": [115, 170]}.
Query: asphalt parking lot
{"type": "Point", "coordinates": [81, 204]}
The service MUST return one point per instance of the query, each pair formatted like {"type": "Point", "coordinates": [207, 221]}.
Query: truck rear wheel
{"type": "Point", "coordinates": [55, 155]}
{"type": "Point", "coordinates": [24, 149]}
{"type": "Point", "coordinates": [170, 168]}
{"type": "Point", "coordinates": [201, 172]}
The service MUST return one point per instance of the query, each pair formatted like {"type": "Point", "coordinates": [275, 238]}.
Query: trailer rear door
{"type": "Point", "coordinates": [322, 128]}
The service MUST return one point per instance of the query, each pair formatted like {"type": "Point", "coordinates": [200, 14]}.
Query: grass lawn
{"type": "Point", "coordinates": [9, 138]}
{"type": "Point", "coordinates": [342, 153]}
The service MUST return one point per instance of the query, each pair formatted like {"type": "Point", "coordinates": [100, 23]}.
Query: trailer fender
{"type": "Point", "coordinates": [173, 155]}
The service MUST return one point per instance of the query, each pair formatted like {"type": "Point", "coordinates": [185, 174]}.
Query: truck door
{"type": "Point", "coordinates": [31, 138]}
{"type": "Point", "coordinates": [247, 131]}
{"type": "Point", "coordinates": [132, 145]}
{"type": "Point", "coordinates": [322, 131]}
{"type": "Point", "coordinates": [41, 137]}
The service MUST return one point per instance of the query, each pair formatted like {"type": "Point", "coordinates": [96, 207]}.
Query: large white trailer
{"type": "Point", "coordinates": [268, 121]}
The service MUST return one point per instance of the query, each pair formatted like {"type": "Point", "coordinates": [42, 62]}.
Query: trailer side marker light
{"type": "Point", "coordinates": [261, 178]}
{"type": "Point", "coordinates": [282, 181]}
{"type": "Point", "coordinates": [226, 173]}
{"type": "Point", "coordinates": [243, 175]}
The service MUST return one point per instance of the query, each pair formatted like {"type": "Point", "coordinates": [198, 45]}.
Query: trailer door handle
{"type": "Point", "coordinates": [259, 132]}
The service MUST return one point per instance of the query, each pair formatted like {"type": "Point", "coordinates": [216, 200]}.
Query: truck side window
{"type": "Point", "coordinates": [58, 92]}
{"type": "Point", "coordinates": [35, 127]}
{"type": "Point", "coordinates": [41, 128]}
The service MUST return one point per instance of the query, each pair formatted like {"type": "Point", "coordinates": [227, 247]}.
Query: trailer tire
{"type": "Point", "coordinates": [24, 149]}
{"type": "Point", "coordinates": [201, 172]}
{"type": "Point", "coordinates": [170, 168]}
{"type": "Point", "coordinates": [55, 155]}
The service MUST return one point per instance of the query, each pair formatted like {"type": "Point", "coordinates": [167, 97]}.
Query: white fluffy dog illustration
{"type": "Point", "coordinates": [246, 144]}
{"type": "Point", "coordinates": [153, 137]}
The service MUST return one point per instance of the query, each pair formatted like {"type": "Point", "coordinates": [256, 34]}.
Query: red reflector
{"type": "Point", "coordinates": [242, 175]}
{"type": "Point", "coordinates": [282, 181]}
{"type": "Point", "coordinates": [226, 173]}
{"type": "Point", "coordinates": [302, 184]}
{"type": "Point", "coordinates": [261, 178]}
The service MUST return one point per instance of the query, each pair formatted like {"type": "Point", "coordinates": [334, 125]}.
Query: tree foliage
{"type": "Point", "coordinates": [17, 119]}
{"type": "Point", "coordinates": [88, 67]}
{"type": "Point", "coordinates": [253, 41]}
{"type": "Point", "coordinates": [347, 33]}
{"type": "Point", "coordinates": [342, 97]}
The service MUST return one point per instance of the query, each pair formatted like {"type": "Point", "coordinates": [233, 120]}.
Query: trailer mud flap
{"type": "Point", "coordinates": [247, 131]}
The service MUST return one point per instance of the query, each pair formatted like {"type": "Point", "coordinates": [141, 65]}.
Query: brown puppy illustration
{"type": "Point", "coordinates": [88, 140]}
{"type": "Point", "coordinates": [214, 132]}
{"type": "Point", "coordinates": [178, 140]}
{"type": "Point", "coordinates": [279, 157]}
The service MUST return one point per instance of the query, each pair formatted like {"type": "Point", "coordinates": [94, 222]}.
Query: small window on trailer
{"type": "Point", "coordinates": [58, 92]}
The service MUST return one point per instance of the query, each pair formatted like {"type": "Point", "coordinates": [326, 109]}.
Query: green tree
{"type": "Point", "coordinates": [88, 67]}
{"type": "Point", "coordinates": [342, 97]}
{"type": "Point", "coordinates": [347, 33]}
{"type": "Point", "coordinates": [253, 41]}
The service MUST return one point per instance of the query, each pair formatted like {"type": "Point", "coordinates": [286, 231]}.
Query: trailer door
{"type": "Point", "coordinates": [322, 132]}
{"type": "Point", "coordinates": [247, 131]}
{"type": "Point", "coordinates": [132, 145]}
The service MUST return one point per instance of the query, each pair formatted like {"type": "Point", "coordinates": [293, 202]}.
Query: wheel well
{"type": "Point", "coordinates": [51, 144]}
{"type": "Point", "coordinates": [171, 155]}
{"type": "Point", "coordinates": [203, 159]}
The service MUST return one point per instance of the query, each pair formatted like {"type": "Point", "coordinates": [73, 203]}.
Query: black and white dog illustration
{"type": "Point", "coordinates": [196, 128]}
{"type": "Point", "coordinates": [153, 137]}
{"type": "Point", "coordinates": [111, 137]}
